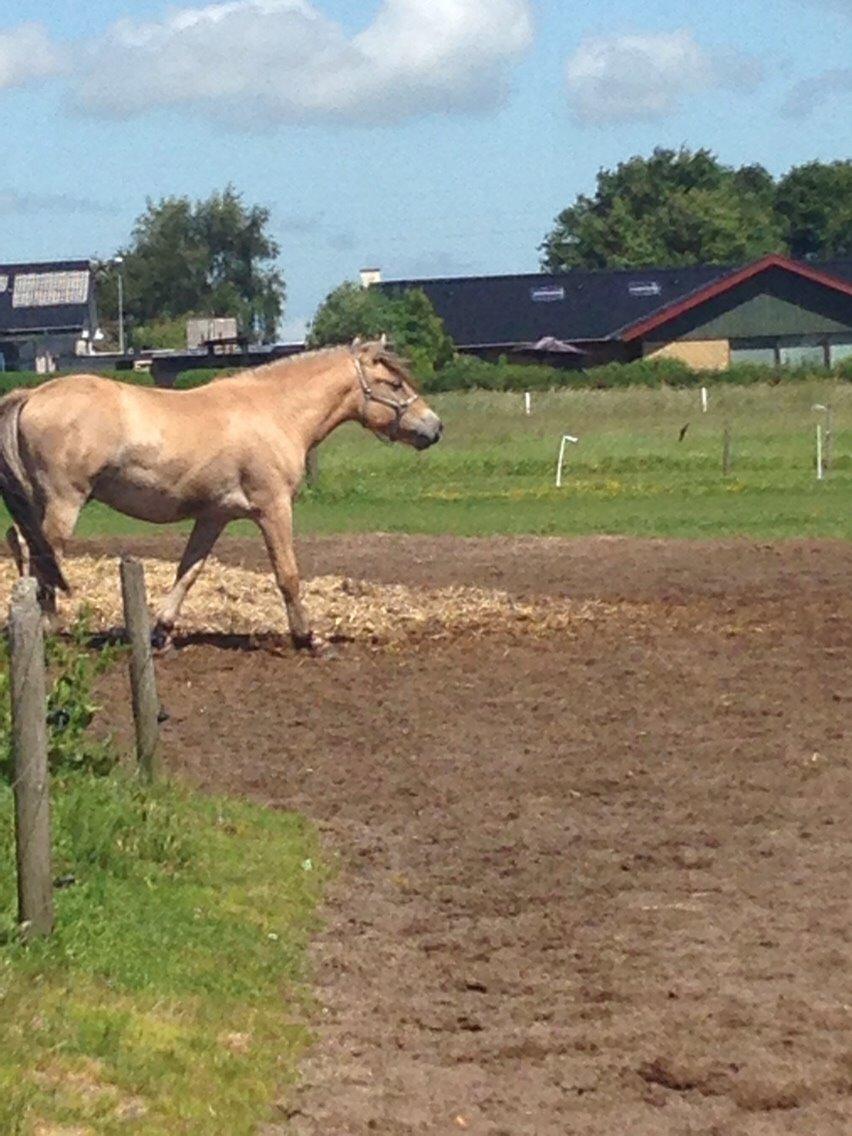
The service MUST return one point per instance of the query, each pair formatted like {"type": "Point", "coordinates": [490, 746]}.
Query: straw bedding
{"type": "Point", "coordinates": [229, 600]}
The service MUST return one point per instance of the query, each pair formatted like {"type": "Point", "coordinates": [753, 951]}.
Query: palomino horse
{"type": "Point", "coordinates": [234, 448]}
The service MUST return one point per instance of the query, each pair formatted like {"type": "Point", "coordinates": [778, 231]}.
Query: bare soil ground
{"type": "Point", "coordinates": [592, 885]}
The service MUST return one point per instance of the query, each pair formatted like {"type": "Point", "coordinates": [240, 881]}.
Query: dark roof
{"type": "Point", "coordinates": [575, 306]}
{"type": "Point", "coordinates": [47, 296]}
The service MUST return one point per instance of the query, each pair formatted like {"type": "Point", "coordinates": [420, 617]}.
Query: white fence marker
{"type": "Point", "coordinates": [560, 463]}
{"type": "Point", "coordinates": [528, 402]}
{"type": "Point", "coordinates": [819, 451]}
{"type": "Point", "coordinates": [704, 399]}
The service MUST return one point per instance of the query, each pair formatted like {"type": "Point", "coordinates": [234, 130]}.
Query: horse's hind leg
{"type": "Point", "coordinates": [204, 535]}
{"type": "Point", "coordinates": [57, 527]}
{"type": "Point", "coordinates": [20, 552]}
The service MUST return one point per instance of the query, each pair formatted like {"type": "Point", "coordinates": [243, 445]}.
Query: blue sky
{"type": "Point", "coordinates": [428, 137]}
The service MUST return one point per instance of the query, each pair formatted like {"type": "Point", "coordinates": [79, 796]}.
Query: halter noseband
{"type": "Point", "coordinates": [398, 407]}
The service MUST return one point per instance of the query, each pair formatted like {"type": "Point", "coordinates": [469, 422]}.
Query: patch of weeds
{"type": "Point", "coordinates": [72, 671]}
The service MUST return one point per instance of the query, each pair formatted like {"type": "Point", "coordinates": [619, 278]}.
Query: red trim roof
{"type": "Point", "coordinates": [731, 280]}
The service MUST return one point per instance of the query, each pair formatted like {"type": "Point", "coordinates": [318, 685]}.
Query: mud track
{"type": "Point", "coordinates": [590, 886]}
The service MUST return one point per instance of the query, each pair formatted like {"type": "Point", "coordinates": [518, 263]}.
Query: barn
{"type": "Point", "coordinates": [773, 310]}
{"type": "Point", "coordinates": [47, 314]}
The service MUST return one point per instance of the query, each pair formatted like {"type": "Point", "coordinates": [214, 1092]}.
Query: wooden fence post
{"type": "Point", "coordinates": [143, 687]}
{"type": "Point", "coordinates": [726, 450]}
{"type": "Point", "coordinates": [30, 771]}
{"type": "Point", "coordinates": [312, 467]}
{"type": "Point", "coordinates": [829, 438]}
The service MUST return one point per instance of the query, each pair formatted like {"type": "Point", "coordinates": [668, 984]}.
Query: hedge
{"type": "Point", "coordinates": [198, 376]}
{"type": "Point", "coordinates": [14, 380]}
{"type": "Point", "coordinates": [466, 372]}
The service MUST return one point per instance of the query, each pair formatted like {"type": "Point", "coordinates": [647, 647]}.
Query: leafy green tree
{"type": "Point", "coordinates": [676, 207]}
{"type": "Point", "coordinates": [208, 258]}
{"type": "Point", "coordinates": [407, 318]}
{"type": "Point", "coordinates": [815, 202]}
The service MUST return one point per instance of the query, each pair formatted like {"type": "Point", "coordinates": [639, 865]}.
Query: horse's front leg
{"type": "Point", "coordinates": [276, 524]}
{"type": "Point", "coordinates": [205, 533]}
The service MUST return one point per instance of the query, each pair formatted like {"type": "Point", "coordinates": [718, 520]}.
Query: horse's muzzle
{"type": "Point", "coordinates": [424, 438]}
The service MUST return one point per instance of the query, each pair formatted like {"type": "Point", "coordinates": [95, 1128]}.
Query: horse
{"type": "Point", "coordinates": [234, 448]}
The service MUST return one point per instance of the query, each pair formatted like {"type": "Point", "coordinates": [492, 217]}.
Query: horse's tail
{"type": "Point", "coordinates": [18, 492]}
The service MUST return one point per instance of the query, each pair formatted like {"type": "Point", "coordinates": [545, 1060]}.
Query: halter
{"type": "Point", "coordinates": [399, 408]}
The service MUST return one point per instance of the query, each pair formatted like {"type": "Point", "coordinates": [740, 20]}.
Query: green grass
{"type": "Point", "coordinates": [167, 1001]}
{"type": "Point", "coordinates": [494, 470]}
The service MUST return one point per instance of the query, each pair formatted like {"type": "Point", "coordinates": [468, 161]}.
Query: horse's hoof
{"type": "Point", "coordinates": [316, 647]}
{"type": "Point", "coordinates": [161, 640]}
{"type": "Point", "coordinates": [322, 649]}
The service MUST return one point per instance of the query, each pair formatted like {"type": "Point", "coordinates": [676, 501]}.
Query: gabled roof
{"type": "Point", "coordinates": [46, 296]}
{"type": "Point", "coordinates": [816, 274]}
{"type": "Point", "coordinates": [585, 305]}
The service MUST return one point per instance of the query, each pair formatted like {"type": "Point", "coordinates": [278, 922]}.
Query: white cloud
{"type": "Point", "coordinates": [255, 63]}
{"type": "Point", "coordinates": [26, 55]}
{"type": "Point", "coordinates": [15, 203]}
{"type": "Point", "coordinates": [629, 78]}
{"type": "Point", "coordinates": [807, 95]}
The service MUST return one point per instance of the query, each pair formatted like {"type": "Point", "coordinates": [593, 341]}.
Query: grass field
{"type": "Point", "coordinates": [167, 999]}
{"type": "Point", "coordinates": [494, 470]}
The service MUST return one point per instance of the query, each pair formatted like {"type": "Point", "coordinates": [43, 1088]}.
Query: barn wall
{"type": "Point", "coordinates": [700, 354]}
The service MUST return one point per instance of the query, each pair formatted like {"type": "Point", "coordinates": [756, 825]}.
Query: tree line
{"type": "Point", "coordinates": [217, 257]}
{"type": "Point", "coordinates": [681, 207]}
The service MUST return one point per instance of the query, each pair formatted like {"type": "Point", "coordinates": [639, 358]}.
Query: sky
{"type": "Point", "coordinates": [425, 137]}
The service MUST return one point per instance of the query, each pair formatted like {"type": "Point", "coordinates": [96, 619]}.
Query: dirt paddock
{"type": "Point", "coordinates": [593, 882]}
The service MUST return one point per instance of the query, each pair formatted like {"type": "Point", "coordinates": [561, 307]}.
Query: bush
{"type": "Point", "coordinates": [467, 372]}
{"type": "Point", "coordinates": [72, 670]}
{"type": "Point", "coordinates": [15, 380]}
{"type": "Point", "coordinates": [199, 376]}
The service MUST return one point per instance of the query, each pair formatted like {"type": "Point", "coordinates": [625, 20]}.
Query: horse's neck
{"type": "Point", "coordinates": [318, 403]}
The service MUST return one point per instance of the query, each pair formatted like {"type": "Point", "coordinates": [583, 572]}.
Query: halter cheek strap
{"type": "Point", "coordinates": [399, 407]}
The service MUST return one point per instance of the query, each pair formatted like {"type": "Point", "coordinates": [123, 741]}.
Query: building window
{"type": "Point", "coordinates": [839, 350]}
{"type": "Point", "coordinates": [802, 355]}
{"type": "Point", "coordinates": [763, 354]}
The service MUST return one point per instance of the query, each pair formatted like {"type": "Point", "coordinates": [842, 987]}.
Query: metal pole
{"type": "Point", "coordinates": [120, 310]}
{"type": "Point", "coordinates": [312, 467]}
{"type": "Point", "coordinates": [819, 470]}
{"type": "Point", "coordinates": [559, 464]}
{"type": "Point", "coordinates": [29, 747]}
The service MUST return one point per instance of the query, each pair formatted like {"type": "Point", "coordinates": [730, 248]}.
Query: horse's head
{"type": "Point", "coordinates": [391, 405]}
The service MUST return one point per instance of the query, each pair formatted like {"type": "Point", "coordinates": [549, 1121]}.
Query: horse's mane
{"type": "Point", "coordinates": [381, 354]}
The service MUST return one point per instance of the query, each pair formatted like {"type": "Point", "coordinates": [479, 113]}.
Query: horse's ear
{"type": "Point", "coordinates": [356, 342]}
{"type": "Point", "coordinates": [383, 340]}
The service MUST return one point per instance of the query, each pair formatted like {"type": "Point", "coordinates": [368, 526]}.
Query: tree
{"type": "Point", "coordinates": [676, 207]}
{"type": "Point", "coordinates": [203, 258]}
{"type": "Point", "coordinates": [408, 318]}
{"type": "Point", "coordinates": [815, 201]}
